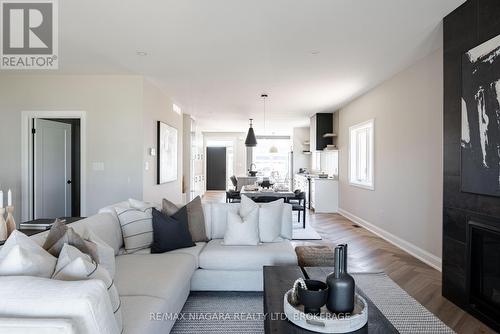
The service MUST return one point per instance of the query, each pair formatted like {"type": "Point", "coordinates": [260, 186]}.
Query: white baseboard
{"type": "Point", "coordinates": [423, 255]}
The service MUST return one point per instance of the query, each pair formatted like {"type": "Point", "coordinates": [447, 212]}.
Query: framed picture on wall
{"type": "Point", "coordinates": [167, 153]}
{"type": "Point", "coordinates": [480, 142]}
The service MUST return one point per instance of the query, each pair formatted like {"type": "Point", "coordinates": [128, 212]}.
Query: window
{"type": "Point", "coordinates": [273, 165]}
{"type": "Point", "coordinates": [176, 109]}
{"type": "Point", "coordinates": [361, 153]}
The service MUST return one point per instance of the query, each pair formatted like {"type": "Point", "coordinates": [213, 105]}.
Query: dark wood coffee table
{"type": "Point", "coordinates": [279, 279]}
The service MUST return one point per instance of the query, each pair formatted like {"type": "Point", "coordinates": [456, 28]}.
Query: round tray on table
{"type": "Point", "coordinates": [327, 322]}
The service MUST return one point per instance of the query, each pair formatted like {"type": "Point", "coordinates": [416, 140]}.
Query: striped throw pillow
{"type": "Point", "coordinates": [137, 228]}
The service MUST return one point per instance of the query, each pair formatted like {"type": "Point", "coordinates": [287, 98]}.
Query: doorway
{"type": "Point", "coordinates": [216, 168]}
{"type": "Point", "coordinates": [56, 167]}
{"type": "Point", "coordinates": [53, 164]}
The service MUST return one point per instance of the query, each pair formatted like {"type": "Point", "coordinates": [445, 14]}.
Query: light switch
{"type": "Point", "coordinates": [146, 165]}
{"type": "Point", "coordinates": [98, 166]}
{"type": "Point", "coordinates": [152, 151]}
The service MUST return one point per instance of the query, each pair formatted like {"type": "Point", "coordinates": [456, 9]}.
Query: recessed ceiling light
{"type": "Point", "coordinates": [141, 53]}
{"type": "Point", "coordinates": [315, 52]}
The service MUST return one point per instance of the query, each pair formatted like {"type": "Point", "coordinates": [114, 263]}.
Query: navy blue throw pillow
{"type": "Point", "coordinates": [170, 233]}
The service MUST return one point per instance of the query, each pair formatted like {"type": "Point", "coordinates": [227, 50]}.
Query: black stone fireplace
{"type": "Point", "coordinates": [471, 222]}
{"type": "Point", "coordinates": [483, 267]}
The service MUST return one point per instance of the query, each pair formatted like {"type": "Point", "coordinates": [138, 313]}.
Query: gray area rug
{"type": "Point", "coordinates": [405, 313]}
{"type": "Point", "coordinates": [242, 312]}
{"type": "Point", "coordinates": [221, 312]}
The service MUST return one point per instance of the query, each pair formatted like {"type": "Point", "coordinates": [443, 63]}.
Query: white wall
{"type": "Point", "coordinates": [158, 107]}
{"type": "Point", "coordinates": [406, 205]}
{"type": "Point", "coordinates": [114, 129]}
{"type": "Point", "coordinates": [300, 160]}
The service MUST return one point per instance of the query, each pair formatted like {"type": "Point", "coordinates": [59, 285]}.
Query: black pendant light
{"type": "Point", "coordinates": [251, 141]}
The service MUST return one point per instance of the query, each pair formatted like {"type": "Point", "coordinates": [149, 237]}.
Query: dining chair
{"type": "Point", "coordinates": [233, 195]}
{"type": "Point", "coordinates": [298, 203]}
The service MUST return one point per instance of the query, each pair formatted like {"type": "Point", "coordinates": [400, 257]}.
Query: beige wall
{"type": "Point", "coordinates": [407, 200]}
{"type": "Point", "coordinates": [121, 113]}
{"type": "Point", "coordinates": [158, 107]}
{"type": "Point", "coordinates": [113, 105]}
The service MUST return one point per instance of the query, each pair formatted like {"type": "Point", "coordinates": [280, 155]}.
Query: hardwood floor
{"type": "Point", "coordinates": [368, 253]}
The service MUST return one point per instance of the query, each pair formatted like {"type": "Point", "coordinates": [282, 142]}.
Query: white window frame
{"type": "Point", "coordinates": [355, 131]}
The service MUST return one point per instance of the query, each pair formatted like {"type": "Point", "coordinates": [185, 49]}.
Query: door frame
{"type": "Point", "coordinates": [27, 157]}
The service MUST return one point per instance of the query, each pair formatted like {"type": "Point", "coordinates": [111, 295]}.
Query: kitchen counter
{"type": "Point", "coordinates": [322, 193]}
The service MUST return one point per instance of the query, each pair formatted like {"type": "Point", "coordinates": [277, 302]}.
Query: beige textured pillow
{"type": "Point", "coordinates": [168, 208]}
{"type": "Point", "coordinates": [196, 217]}
{"type": "Point", "coordinates": [61, 234]}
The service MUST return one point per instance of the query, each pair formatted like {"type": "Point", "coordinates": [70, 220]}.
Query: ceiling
{"type": "Point", "coordinates": [215, 58]}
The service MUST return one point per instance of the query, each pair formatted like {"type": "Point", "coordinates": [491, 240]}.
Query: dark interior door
{"type": "Point", "coordinates": [216, 168]}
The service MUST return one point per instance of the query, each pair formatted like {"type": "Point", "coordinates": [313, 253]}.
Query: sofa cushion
{"type": "Point", "coordinates": [193, 251]}
{"type": "Point", "coordinates": [73, 265]}
{"type": "Point", "coordinates": [144, 314]}
{"type": "Point", "coordinates": [217, 256]}
{"type": "Point", "coordinates": [219, 218]}
{"type": "Point", "coordinates": [155, 275]}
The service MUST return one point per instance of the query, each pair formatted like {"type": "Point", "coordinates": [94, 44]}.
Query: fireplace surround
{"type": "Point", "coordinates": [483, 267]}
{"type": "Point", "coordinates": [465, 215]}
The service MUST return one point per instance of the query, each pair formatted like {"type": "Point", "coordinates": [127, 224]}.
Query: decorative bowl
{"type": "Point", "coordinates": [314, 297]}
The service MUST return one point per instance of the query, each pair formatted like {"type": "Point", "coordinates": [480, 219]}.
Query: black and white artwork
{"type": "Point", "coordinates": [481, 119]}
{"type": "Point", "coordinates": [167, 153]}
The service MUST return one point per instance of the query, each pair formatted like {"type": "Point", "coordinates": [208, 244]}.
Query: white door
{"type": "Point", "coordinates": [52, 169]}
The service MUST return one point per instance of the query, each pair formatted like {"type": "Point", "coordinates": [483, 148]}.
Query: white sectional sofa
{"type": "Point", "coordinates": [147, 283]}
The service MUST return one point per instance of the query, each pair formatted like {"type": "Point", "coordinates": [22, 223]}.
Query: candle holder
{"type": "Point", "coordinates": [11, 223]}
{"type": "Point", "coordinates": [3, 226]}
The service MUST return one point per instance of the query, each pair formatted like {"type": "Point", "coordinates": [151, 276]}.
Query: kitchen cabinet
{"type": "Point", "coordinates": [321, 124]}
{"type": "Point", "coordinates": [324, 195]}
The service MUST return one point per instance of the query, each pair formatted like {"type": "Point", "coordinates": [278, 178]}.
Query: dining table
{"type": "Point", "coordinates": [286, 194]}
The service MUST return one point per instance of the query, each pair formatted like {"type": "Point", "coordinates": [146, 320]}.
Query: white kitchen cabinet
{"type": "Point", "coordinates": [324, 195]}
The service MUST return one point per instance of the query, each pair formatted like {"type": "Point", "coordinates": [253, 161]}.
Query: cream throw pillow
{"type": "Point", "coordinates": [270, 221]}
{"type": "Point", "coordinates": [73, 265]}
{"type": "Point", "coordinates": [247, 205]}
{"type": "Point", "coordinates": [270, 217]}
{"type": "Point", "coordinates": [242, 231]}
{"type": "Point", "coordinates": [105, 252]}
{"type": "Point", "coordinates": [21, 256]}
